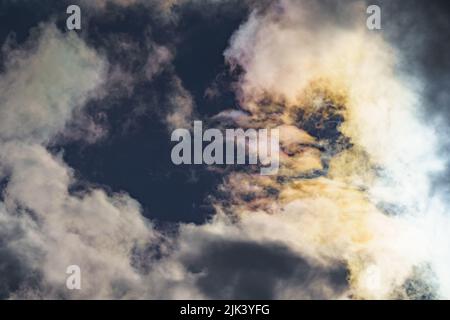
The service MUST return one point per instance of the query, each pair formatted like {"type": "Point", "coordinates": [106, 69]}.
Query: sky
{"type": "Point", "coordinates": [357, 210]}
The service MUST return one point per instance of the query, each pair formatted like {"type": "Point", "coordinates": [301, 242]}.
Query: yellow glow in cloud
{"type": "Point", "coordinates": [293, 60]}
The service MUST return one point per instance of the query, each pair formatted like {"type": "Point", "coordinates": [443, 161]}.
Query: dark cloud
{"type": "Point", "coordinates": [232, 269]}
{"type": "Point", "coordinates": [15, 273]}
{"type": "Point", "coordinates": [421, 31]}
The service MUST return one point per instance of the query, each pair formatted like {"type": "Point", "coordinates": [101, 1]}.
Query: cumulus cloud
{"type": "Point", "coordinates": [42, 87]}
{"type": "Point", "coordinates": [56, 228]}
{"type": "Point", "coordinates": [93, 230]}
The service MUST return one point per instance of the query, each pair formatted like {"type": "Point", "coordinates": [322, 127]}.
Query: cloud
{"type": "Point", "coordinates": [56, 227]}
{"type": "Point", "coordinates": [96, 231]}
{"type": "Point", "coordinates": [228, 262]}
{"type": "Point", "coordinates": [349, 216]}
{"type": "Point", "coordinates": [314, 63]}
{"type": "Point", "coordinates": [156, 61]}
{"type": "Point", "coordinates": [182, 105]}
{"type": "Point", "coordinates": [46, 224]}
{"type": "Point", "coordinates": [226, 259]}
{"type": "Point", "coordinates": [43, 86]}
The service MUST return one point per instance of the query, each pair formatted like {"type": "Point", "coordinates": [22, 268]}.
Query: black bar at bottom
{"type": "Point", "coordinates": [245, 310]}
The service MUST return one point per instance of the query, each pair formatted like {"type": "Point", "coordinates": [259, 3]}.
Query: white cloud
{"type": "Point", "coordinates": [41, 88]}
{"type": "Point", "coordinates": [94, 230]}
{"type": "Point", "coordinates": [298, 56]}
